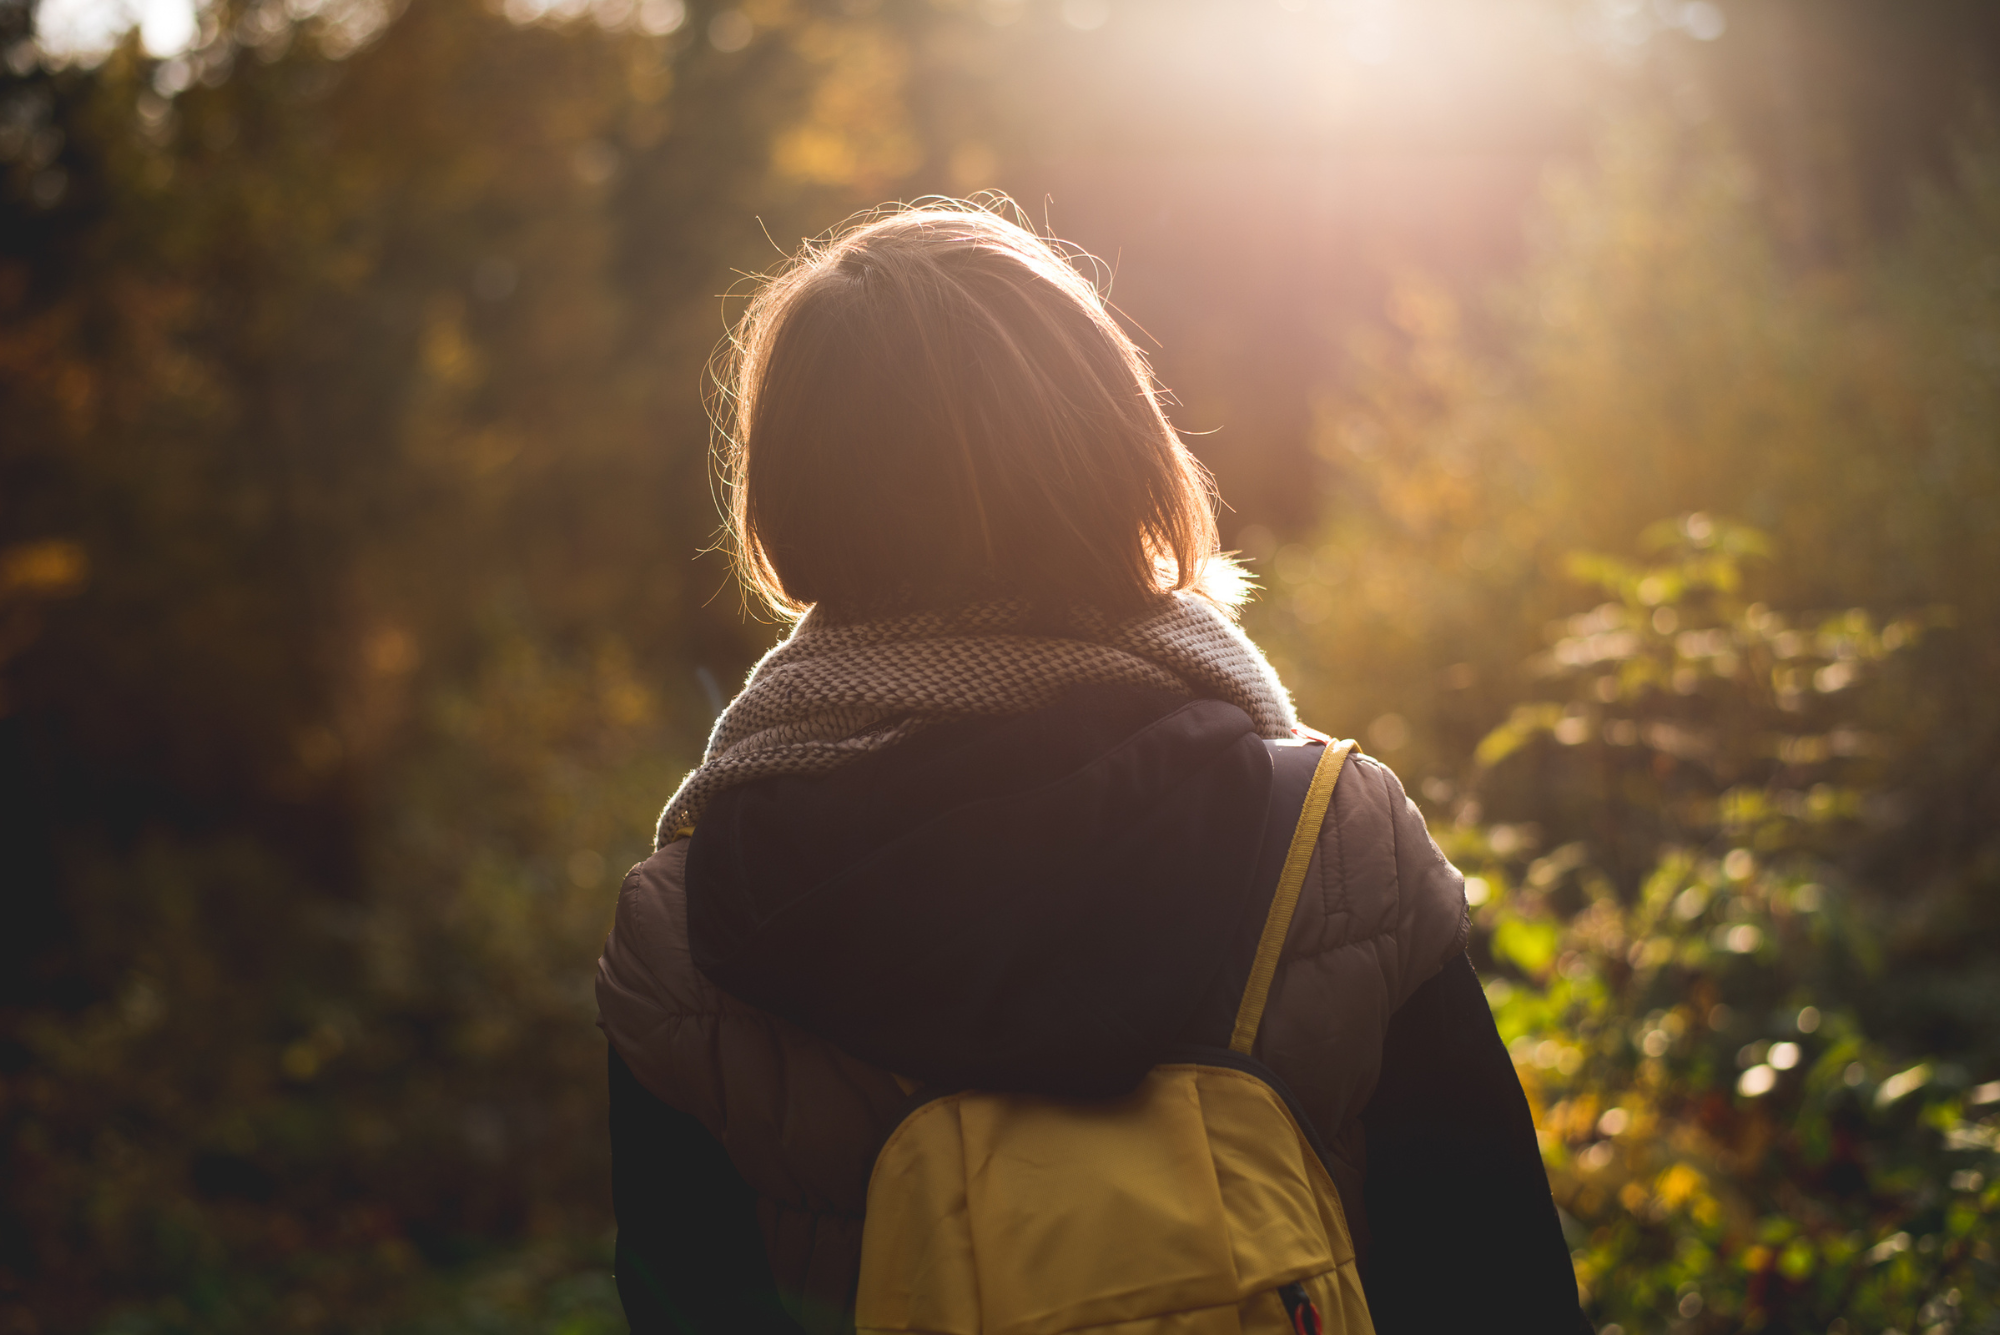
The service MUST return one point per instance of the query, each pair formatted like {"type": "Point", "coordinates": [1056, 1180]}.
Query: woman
{"type": "Point", "coordinates": [1000, 815]}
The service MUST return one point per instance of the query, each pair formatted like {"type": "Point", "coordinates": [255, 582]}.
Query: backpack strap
{"type": "Point", "coordinates": [1291, 880]}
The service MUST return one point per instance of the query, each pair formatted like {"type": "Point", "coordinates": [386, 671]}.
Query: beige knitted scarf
{"type": "Point", "coordinates": [832, 692]}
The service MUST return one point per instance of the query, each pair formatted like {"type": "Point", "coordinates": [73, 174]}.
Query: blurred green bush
{"type": "Point", "coordinates": [1733, 1141]}
{"type": "Point", "coordinates": [1734, 859]}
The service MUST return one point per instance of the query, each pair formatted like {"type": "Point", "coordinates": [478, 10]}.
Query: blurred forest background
{"type": "Point", "coordinates": [1606, 392]}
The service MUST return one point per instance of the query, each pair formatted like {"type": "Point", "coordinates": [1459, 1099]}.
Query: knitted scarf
{"type": "Point", "coordinates": [832, 692]}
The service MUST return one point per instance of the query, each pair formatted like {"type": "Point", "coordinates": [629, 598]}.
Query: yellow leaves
{"type": "Point", "coordinates": [1621, 1146]}
{"type": "Point", "coordinates": [1705, 532]}
{"type": "Point", "coordinates": [1521, 725]}
{"type": "Point", "coordinates": [390, 651]}
{"type": "Point", "coordinates": [1607, 572]}
{"type": "Point", "coordinates": [1680, 1185]}
{"type": "Point", "coordinates": [769, 14]}
{"type": "Point", "coordinates": [625, 702]}
{"type": "Point", "coordinates": [648, 81]}
{"type": "Point", "coordinates": [856, 130]}
{"type": "Point", "coordinates": [52, 568]}
{"type": "Point", "coordinates": [818, 153]}
{"type": "Point", "coordinates": [1573, 1119]}
{"type": "Point", "coordinates": [448, 355]}
{"type": "Point", "coordinates": [1711, 560]}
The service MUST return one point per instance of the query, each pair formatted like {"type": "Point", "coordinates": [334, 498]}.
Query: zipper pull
{"type": "Point", "coordinates": [1304, 1313]}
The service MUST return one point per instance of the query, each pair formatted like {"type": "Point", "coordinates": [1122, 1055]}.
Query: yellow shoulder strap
{"type": "Point", "coordinates": [1290, 881]}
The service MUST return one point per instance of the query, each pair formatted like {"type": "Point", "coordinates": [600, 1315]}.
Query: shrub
{"type": "Point", "coordinates": [1690, 982]}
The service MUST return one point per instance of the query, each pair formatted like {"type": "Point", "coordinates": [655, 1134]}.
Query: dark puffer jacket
{"type": "Point", "coordinates": [1041, 903]}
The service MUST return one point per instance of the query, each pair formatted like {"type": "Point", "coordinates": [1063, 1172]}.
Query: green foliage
{"type": "Point", "coordinates": [1733, 864]}
{"type": "Point", "coordinates": [1730, 1137]}
{"type": "Point", "coordinates": [1661, 352]}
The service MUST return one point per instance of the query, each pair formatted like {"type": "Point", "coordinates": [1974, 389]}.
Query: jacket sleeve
{"type": "Point", "coordinates": [1464, 1233]}
{"type": "Point", "coordinates": [690, 1257]}
{"type": "Point", "coordinates": [1381, 912]}
{"type": "Point", "coordinates": [1431, 922]}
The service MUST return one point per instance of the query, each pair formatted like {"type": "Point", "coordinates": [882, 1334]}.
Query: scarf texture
{"type": "Point", "coordinates": [832, 692]}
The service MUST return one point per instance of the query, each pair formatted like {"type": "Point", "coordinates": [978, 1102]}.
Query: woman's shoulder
{"type": "Point", "coordinates": [651, 1000]}
{"type": "Point", "coordinates": [789, 1107]}
{"type": "Point", "coordinates": [1378, 880]}
{"type": "Point", "coordinates": [661, 1012]}
{"type": "Point", "coordinates": [1381, 911]}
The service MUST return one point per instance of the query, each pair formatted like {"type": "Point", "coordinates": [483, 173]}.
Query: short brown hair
{"type": "Point", "coordinates": [933, 407]}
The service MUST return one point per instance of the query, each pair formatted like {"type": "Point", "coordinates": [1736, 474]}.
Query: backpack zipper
{"type": "Point", "coordinates": [1299, 1306]}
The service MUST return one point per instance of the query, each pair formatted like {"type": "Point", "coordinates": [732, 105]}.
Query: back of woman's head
{"type": "Point", "coordinates": [935, 408]}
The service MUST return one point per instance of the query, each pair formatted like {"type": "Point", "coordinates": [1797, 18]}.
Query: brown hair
{"type": "Point", "coordinates": [934, 407]}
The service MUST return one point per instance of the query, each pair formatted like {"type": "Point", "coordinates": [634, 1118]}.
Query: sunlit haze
{"type": "Point", "coordinates": [83, 28]}
{"type": "Point", "coordinates": [1428, 38]}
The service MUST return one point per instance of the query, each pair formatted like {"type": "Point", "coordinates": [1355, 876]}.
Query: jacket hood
{"type": "Point", "coordinates": [1039, 903]}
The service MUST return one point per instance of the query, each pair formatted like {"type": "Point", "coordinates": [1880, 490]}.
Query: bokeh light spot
{"type": "Point", "coordinates": [730, 30]}
{"type": "Point", "coordinates": [1703, 21]}
{"type": "Point", "coordinates": [1086, 15]}
{"type": "Point", "coordinates": [657, 18]}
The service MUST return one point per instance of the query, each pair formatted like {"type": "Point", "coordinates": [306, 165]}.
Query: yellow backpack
{"type": "Point", "coordinates": [1198, 1204]}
